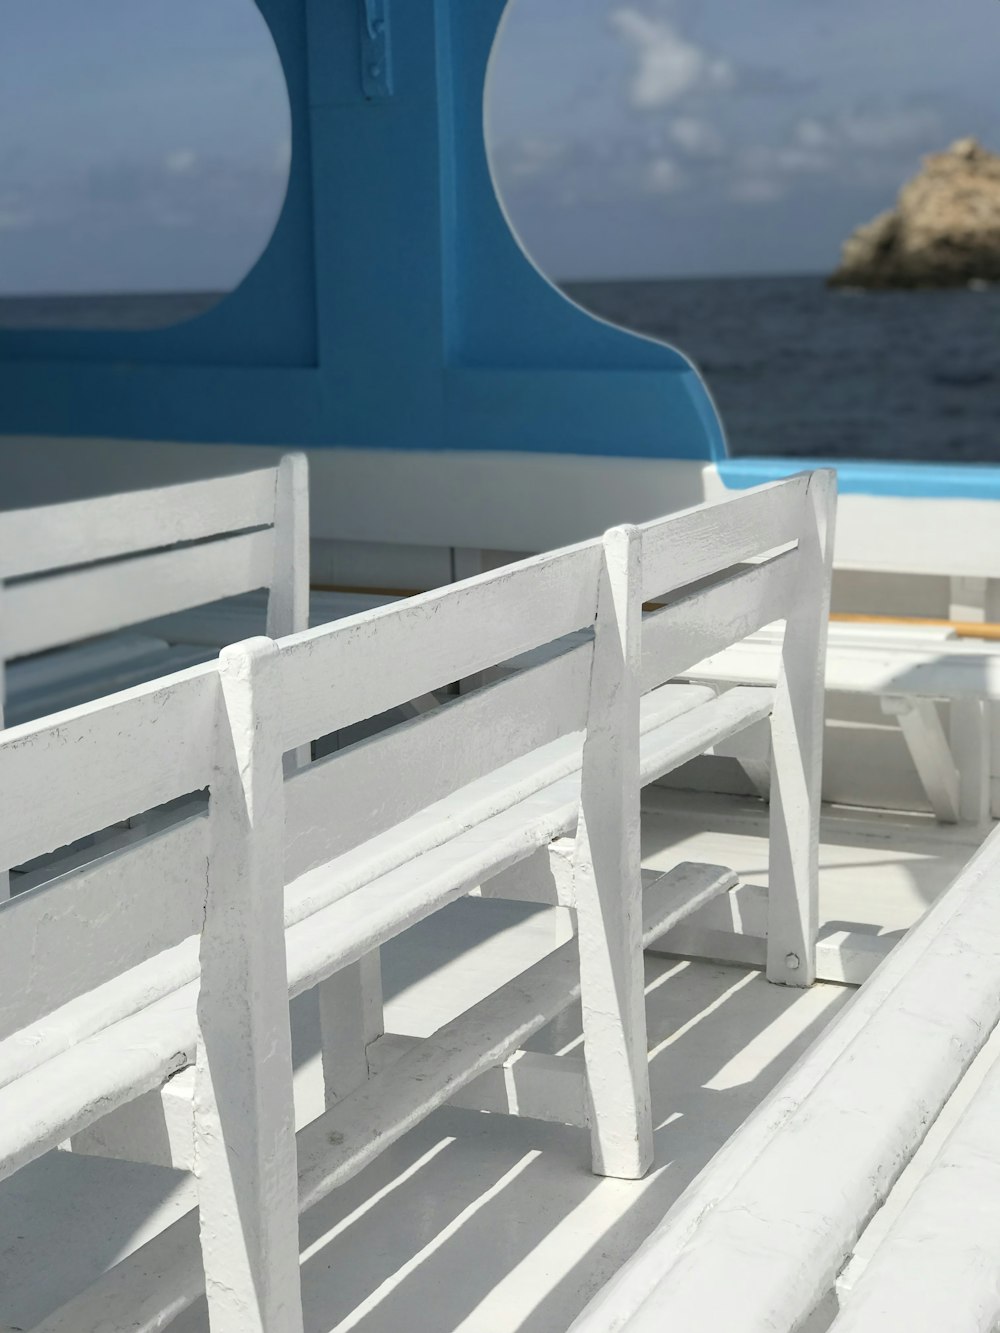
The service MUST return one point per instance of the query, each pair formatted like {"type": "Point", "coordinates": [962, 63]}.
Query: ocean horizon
{"type": "Point", "coordinates": [795, 368]}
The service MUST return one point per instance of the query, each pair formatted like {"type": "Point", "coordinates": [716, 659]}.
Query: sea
{"type": "Point", "coordinates": [795, 368]}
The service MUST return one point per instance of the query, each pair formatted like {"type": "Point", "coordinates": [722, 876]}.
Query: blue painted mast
{"type": "Point", "coordinates": [392, 308]}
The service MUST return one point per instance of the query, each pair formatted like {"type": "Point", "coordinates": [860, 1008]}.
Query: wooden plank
{"type": "Point", "coordinates": [68, 1093]}
{"type": "Point", "coordinates": [921, 726]}
{"type": "Point", "coordinates": [367, 664]}
{"type": "Point", "coordinates": [696, 543]}
{"type": "Point", "coordinates": [970, 747]}
{"type": "Point", "coordinates": [528, 1083]}
{"type": "Point", "coordinates": [677, 637]}
{"type": "Point", "coordinates": [759, 1237]}
{"type": "Point", "coordinates": [81, 531]}
{"type": "Point", "coordinates": [347, 798]}
{"type": "Point", "coordinates": [87, 768]}
{"type": "Point", "coordinates": [797, 750]}
{"type": "Point", "coordinates": [128, 906]}
{"type": "Point", "coordinates": [163, 1278]}
{"type": "Point", "coordinates": [288, 600]}
{"type": "Point", "coordinates": [607, 878]}
{"type": "Point", "coordinates": [244, 1119]}
{"type": "Point", "coordinates": [343, 1140]}
{"type": "Point", "coordinates": [937, 1267]}
{"type": "Point", "coordinates": [679, 893]}
{"type": "Point", "coordinates": [62, 608]}
{"type": "Point", "coordinates": [666, 744]}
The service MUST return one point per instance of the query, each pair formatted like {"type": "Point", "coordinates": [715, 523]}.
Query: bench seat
{"type": "Point", "coordinates": [153, 1033]}
{"type": "Point", "coordinates": [165, 1273]}
{"type": "Point", "coordinates": [910, 670]}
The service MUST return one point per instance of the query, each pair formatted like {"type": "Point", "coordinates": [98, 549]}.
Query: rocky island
{"type": "Point", "coordinates": [943, 232]}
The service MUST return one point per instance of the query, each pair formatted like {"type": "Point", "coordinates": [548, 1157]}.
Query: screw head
{"type": "Point", "coordinates": [792, 961]}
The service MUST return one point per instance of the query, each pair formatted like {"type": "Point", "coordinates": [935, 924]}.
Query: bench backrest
{"type": "Point", "coordinates": [82, 771]}
{"type": "Point", "coordinates": [89, 567]}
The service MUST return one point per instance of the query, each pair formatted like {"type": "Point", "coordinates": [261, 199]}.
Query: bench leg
{"type": "Point", "coordinates": [350, 1019]}
{"type": "Point", "coordinates": [607, 878]}
{"type": "Point", "coordinates": [244, 1117]}
{"type": "Point", "coordinates": [920, 724]}
{"type": "Point", "coordinates": [796, 755]}
{"type": "Point", "coordinates": [970, 744]}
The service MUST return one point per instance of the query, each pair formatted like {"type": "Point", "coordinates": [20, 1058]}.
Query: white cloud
{"type": "Point", "coordinates": [664, 176]}
{"type": "Point", "coordinates": [668, 65]}
{"type": "Point", "coordinates": [180, 161]}
{"type": "Point", "coordinates": [696, 137]}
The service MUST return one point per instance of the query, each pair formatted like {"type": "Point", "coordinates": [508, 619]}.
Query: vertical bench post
{"type": "Point", "coordinates": [244, 1118]}
{"type": "Point", "coordinates": [288, 597]}
{"type": "Point", "coordinates": [797, 752]}
{"type": "Point", "coordinates": [608, 877]}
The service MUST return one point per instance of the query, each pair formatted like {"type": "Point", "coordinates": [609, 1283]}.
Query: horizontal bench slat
{"type": "Point", "coordinates": [706, 540]}
{"type": "Point", "coordinates": [80, 531]}
{"type": "Point", "coordinates": [44, 613]}
{"type": "Point", "coordinates": [367, 664]}
{"type": "Point", "coordinates": [680, 635]}
{"type": "Point", "coordinates": [341, 801]}
{"type": "Point", "coordinates": [856, 668]}
{"type": "Point", "coordinates": [88, 768]}
{"type": "Point", "coordinates": [347, 1137]}
{"type": "Point", "coordinates": [128, 906]}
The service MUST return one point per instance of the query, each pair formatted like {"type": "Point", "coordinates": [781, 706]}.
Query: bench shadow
{"type": "Point", "coordinates": [481, 1223]}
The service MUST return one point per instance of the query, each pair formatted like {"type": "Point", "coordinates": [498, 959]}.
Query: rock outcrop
{"type": "Point", "coordinates": [943, 232]}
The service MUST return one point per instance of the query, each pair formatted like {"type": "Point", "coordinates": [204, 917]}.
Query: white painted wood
{"type": "Point", "coordinates": [970, 746]}
{"type": "Point", "coordinates": [706, 540]}
{"type": "Point", "coordinates": [669, 898]}
{"type": "Point", "coordinates": [244, 1120]}
{"type": "Point", "coordinates": [665, 744]}
{"type": "Point", "coordinates": [682, 634]}
{"type": "Point", "coordinates": [932, 757]}
{"type": "Point", "coordinates": [164, 1275]}
{"type": "Point", "coordinates": [288, 600]}
{"type": "Point", "coordinates": [136, 902]}
{"type": "Point", "coordinates": [759, 1237]}
{"type": "Point", "coordinates": [77, 532]}
{"type": "Point", "coordinates": [63, 608]}
{"type": "Point", "coordinates": [407, 861]}
{"type": "Point", "coordinates": [91, 766]}
{"type": "Point", "coordinates": [388, 656]}
{"type": "Point", "coordinates": [796, 749]}
{"type": "Point", "coordinates": [607, 883]}
{"type": "Point", "coordinates": [991, 612]}
{"type": "Point", "coordinates": [347, 1137]}
{"type": "Point", "coordinates": [431, 758]}
{"type": "Point", "coordinates": [528, 1083]}
{"type": "Point", "coordinates": [350, 1013]}
{"type": "Point", "coordinates": [938, 1266]}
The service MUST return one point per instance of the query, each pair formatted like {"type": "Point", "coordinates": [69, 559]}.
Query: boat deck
{"type": "Point", "coordinates": [489, 1224]}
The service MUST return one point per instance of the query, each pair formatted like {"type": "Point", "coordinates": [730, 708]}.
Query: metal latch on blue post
{"type": "Point", "coordinates": [376, 51]}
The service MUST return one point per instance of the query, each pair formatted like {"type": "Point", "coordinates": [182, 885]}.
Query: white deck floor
{"type": "Point", "coordinates": [482, 1223]}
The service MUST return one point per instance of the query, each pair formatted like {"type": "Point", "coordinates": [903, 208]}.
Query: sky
{"type": "Point", "coordinates": [145, 146]}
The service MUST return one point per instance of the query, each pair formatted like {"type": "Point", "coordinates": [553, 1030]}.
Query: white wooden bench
{"type": "Point", "coordinates": [759, 1238]}
{"type": "Point", "coordinates": [373, 839]}
{"type": "Point", "coordinates": [75, 575]}
{"type": "Point", "coordinates": [78, 572]}
{"type": "Point", "coordinates": [911, 671]}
